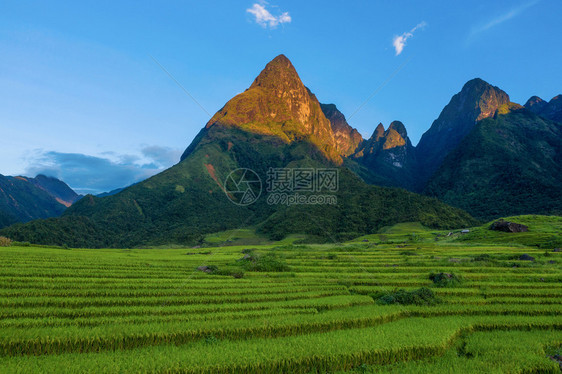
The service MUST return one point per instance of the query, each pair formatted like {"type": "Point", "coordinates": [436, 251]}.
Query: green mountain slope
{"type": "Point", "coordinates": [508, 165]}
{"type": "Point", "coordinates": [362, 209]}
{"type": "Point", "coordinates": [56, 188]}
{"type": "Point", "coordinates": [23, 199]}
{"type": "Point", "coordinates": [551, 110]}
{"type": "Point", "coordinates": [477, 100]}
{"type": "Point", "coordinates": [186, 201]}
{"type": "Point", "coordinates": [6, 219]}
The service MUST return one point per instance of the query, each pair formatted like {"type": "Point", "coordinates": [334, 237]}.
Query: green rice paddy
{"type": "Point", "coordinates": [307, 308]}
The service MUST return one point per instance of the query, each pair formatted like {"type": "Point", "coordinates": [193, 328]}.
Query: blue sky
{"type": "Point", "coordinates": [81, 97]}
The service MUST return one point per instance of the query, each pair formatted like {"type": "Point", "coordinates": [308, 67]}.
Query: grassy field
{"type": "Point", "coordinates": [405, 300]}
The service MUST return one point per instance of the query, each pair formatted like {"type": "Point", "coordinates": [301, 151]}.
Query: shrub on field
{"type": "Point", "coordinates": [481, 258]}
{"type": "Point", "coordinates": [408, 253]}
{"type": "Point", "coordinates": [420, 296]}
{"type": "Point", "coordinates": [445, 279]}
{"type": "Point", "coordinates": [211, 339]}
{"type": "Point", "coordinates": [414, 238]}
{"type": "Point", "coordinates": [363, 368]}
{"type": "Point", "coordinates": [208, 269]}
{"type": "Point", "coordinates": [5, 242]}
{"type": "Point", "coordinates": [214, 270]}
{"type": "Point", "coordinates": [266, 262]}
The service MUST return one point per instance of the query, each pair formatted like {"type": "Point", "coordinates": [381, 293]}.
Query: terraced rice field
{"type": "Point", "coordinates": [151, 310]}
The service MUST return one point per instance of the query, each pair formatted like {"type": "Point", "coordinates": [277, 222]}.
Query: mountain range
{"type": "Point", "coordinates": [483, 155]}
{"type": "Point", "coordinates": [551, 110]}
{"type": "Point", "coordinates": [23, 199]}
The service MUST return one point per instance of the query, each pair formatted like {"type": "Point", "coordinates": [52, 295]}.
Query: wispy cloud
{"type": "Point", "coordinates": [264, 18]}
{"type": "Point", "coordinates": [502, 18]}
{"type": "Point", "coordinates": [92, 174]}
{"type": "Point", "coordinates": [399, 41]}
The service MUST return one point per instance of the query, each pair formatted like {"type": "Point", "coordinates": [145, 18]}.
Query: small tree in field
{"type": "Point", "coordinates": [5, 242]}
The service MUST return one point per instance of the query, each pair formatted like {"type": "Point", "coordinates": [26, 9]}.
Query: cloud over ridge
{"type": "Point", "coordinates": [94, 174]}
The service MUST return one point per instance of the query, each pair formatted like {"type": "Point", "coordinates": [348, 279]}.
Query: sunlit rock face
{"type": "Point", "coordinates": [278, 103]}
{"type": "Point", "coordinates": [347, 138]}
{"type": "Point", "coordinates": [389, 153]}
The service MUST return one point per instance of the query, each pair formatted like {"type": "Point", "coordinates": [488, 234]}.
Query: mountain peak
{"type": "Point", "coordinates": [479, 85]}
{"type": "Point", "coordinates": [474, 82]}
{"type": "Point", "coordinates": [534, 100]}
{"type": "Point", "coordinates": [279, 74]}
{"type": "Point", "coordinates": [486, 97]}
{"type": "Point", "coordinates": [535, 104]}
{"type": "Point", "coordinates": [379, 132]}
{"type": "Point", "coordinates": [399, 128]}
{"type": "Point", "coordinates": [477, 100]}
{"type": "Point", "coordinates": [551, 110]}
{"type": "Point", "coordinates": [394, 136]}
{"type": "Point", "coordinates": [389, 154]}
{"type": "Point", "coordinates": [279, 104]}
{"type": "Point", "coordinates": [282, 60]}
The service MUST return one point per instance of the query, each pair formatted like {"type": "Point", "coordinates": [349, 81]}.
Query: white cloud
{"type": "Point", "coordinates": [399, 41]}
{"type": "Point", "coordinates": [503, 17]}
{"type": "Point", "coordinates": [93, 174]}
{"type": "Point", "coordinates": [264, 18]}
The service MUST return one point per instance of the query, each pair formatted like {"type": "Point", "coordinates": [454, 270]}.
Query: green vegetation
{"type": "Point", "coordinates": [156, 212]}
{"type": "Point", "coordinates": [507, 165]}
{"type": "Point", "coordinates": [361, 209]}
{"type": "Point", "coordinates": [544, 232]}
{"type": "Point", "coordinates": [445, 279]}
{"type": "Point", "coordinates": [23, 199]}
{"type": "Point", "coordinates": [356, 306]}
{"type": "Point", "coordinates": [265, 263]}
{"type": "Point", "coordinates": [420, 296]}
{"type": "Point", "coordinates": [234, 237]}
{"type": "Point", "coordinates": [487, 352]}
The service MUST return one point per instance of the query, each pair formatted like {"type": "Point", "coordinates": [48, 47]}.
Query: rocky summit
{"type": "Point", "coordinates": [395, 140]}
{"type": "Point", "coordinates": [477, 100]}
{"type": "Point", "coordinates": [278, 103]}
{"type": "Point", "coordinates": [389, 154]}
{"type": "Point", "coordinates": [551, 110]}
{"type": "Point", "coordinates": [347, 138]}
